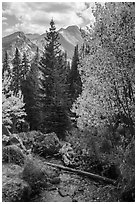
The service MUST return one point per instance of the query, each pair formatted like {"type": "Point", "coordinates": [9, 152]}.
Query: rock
{"type": "Point", "coordinates": [55, 180]}
{"type": "Point", "coordinates": [13, 154]}
{"type": "Point", "coordinates": [63, 192]}
{"type": "Point", "coordinates": [64, 199]}
{"type": "Point", "coordinates": [14, 189]}
{"type": "Point", "coordinates": [47, 144]}
{"type": "Point", "coordinates": [68, 190]}
{"type": "Point", "coordinates": [14, 139]}
{"type": "Point", "coordinates": [40, 143]}
{"type": "Point", "coordinates": [52, 196]}
{"type": "Point", "coordinates": [65, 177]}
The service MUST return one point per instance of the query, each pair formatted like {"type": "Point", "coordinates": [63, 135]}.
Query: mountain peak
{"type": "Point", "coordinates": [14, 35]}
{"type": "Point", "coordinates": [20, 41]}
{"type": "Point", "coordinates": [72, 27]}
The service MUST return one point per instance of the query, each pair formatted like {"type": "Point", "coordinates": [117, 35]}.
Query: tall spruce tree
{"type": "Point", "coordinates": [30, 90]}
{"type": "Point", "coordinates": [25, 66]}
{"type": "Point", "coordinates": [53, 68]}
{"type": "Point", "coordinates": [6, 67]}
{"type": "Point", "coordinates": [74, 80]}
{"type": "Point", "coordinates": [16, 73]}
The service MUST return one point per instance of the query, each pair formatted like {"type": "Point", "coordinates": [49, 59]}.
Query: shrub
{"type": "Point", "coordinates": [13, 154]}
{"type": "Point", "coordinates": [12, 111]}
{"type": "Point", "coordinates": [35, 174]}
{"type": "Point", "coordinates": [14, 189]}
{"type": "Point", "coordinates": [127, 168]}
{"type": "Point", "coordinates": [84, 142]}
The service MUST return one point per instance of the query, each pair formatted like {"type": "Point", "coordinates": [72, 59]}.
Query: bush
{"type": "Point", "coordinates": [35, 174]}
{"type": "Point", "coordinates": [13, 154]}
{"type": "Point", "coordinates": [84, 142]}
{"type": "Point", "coordinates": [127, 168]}
{"type": "Point", "coordinates": [14, 189]}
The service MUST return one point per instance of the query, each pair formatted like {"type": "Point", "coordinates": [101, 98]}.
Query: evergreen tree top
{"type": "Point", "coordinates": [16, 60]}
{"type": "Point", "coordinates": [17, 51]}
{"type": "Point", "coordinates": [52, 34]}
{"type": "Point", "coordinates": [52, 24]}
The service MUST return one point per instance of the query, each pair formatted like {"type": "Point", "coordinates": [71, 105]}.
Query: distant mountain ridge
{"type": "Point", "coordinates": [69, 38]}
{"type": "Point", "coordinates": [19, 40]}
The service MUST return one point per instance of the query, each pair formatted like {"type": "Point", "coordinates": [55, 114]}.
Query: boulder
{"type": "Point", "coordinates": [47, 144]}
{"type": "Point", "coordinates": [14, 189]}
{"type": "Point", "coordinates": [51, 172]}
{"type": "Point", "coordinates": [55, 180]}
{"type": "Point", "coordinates": [13, 154]}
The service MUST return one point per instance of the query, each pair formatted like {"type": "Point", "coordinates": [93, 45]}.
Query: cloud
{"type": "Point", "coordinates": [4, 18]}
{"type": "Point", "coordinates": [4, 24]}
{"type": "Point", "coordinates": [35, 16]}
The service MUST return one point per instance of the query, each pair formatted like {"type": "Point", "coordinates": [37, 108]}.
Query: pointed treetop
{"type": "Point", "coordinates": [37, 49]}
{"type": "Point", "coordinates": [52, 24]}
{"type": "Point", "coordinates": [16, 51]}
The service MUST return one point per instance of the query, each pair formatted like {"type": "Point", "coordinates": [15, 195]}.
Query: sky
{"type": "Point", "coordinates": [34, 17]}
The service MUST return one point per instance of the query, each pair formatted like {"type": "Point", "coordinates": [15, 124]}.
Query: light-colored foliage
{"type": "Point", "coordinates": [108, 71]}
{"type": "Point", "coordinates": [108, 76]}
{"type": "Point", "coordinates": [12, 106]}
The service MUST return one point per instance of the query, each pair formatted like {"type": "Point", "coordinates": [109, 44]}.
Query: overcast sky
{"type": "Point", "coordinates": [34, 17]}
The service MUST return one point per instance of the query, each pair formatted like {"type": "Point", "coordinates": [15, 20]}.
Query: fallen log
{"type": "Point", "coordinates": [85, 173]}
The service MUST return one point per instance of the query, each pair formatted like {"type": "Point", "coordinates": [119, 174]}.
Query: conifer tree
{"type": "Point", "coordinates": [53, 68]}
{"type": "Point", "coordinates": [30, 88]}
{"type": "Point", "coordinates": [6, 67]}
{"type": "Point", "coordinates": [24, 67]}
{"type": "Point", "coordinates": [16, 73]}
{"type": "Point", "coordinates": [74, 80]}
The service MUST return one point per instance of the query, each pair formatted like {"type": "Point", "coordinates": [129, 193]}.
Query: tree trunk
{"type": "Point", "coordinates": [90, 175]}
